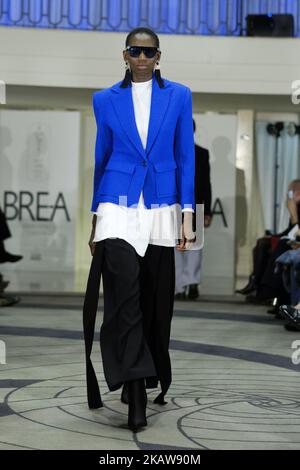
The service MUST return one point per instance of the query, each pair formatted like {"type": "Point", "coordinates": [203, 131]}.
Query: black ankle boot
{"type": "Point", "coordinates": [249, 288]}
{"type": "Point", "coordinates": [136, 404]}
{"type": "Point", "coordinates": [124, 394]}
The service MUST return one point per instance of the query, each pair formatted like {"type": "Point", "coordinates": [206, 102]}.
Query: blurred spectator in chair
{"type": "Point", "coordinates": [264, 281]}
{"type": "Point", "coordinates": [289, 265]}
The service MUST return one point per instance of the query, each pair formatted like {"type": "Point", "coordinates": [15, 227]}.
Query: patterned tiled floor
{"type": "Point", "coordinates": [234, 384]}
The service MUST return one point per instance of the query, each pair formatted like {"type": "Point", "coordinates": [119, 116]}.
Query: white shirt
{"type": "Point", "coordinates": [139, 226]}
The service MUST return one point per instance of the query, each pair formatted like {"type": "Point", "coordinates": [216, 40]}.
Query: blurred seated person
{"type": "Point", "coordinates": [268, 248]}
{"type": "Point", "coordinates": [290, 268]}
{"type": "Point", "coordinates": [288, 264]}
{"type": "Point", "coordinates": [271, 288]}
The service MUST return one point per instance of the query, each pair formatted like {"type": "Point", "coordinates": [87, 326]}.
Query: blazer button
{"type": "Point", "coordinates": [144, 163]}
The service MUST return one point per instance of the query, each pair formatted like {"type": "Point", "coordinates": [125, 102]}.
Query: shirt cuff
{"type": "Point", "coordinates": [188, 209]}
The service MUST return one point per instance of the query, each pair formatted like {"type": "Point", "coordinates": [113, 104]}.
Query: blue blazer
{"type": "Point", "coordinates": [123, 168]}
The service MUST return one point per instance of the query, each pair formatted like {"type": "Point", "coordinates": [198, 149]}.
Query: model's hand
{"type": "Point", "coordinates": [188, 236]}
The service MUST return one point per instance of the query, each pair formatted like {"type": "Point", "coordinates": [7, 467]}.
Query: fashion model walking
{"type": "Point", "coordinates": [143, 178]}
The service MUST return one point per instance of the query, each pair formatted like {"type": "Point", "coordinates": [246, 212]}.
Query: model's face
{"type": "Point", "coordinates": [141, 66]}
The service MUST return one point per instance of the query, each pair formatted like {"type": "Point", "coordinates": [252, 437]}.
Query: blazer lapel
{"type": "Point", "coordinates": [123, 104]}
{"type": "Point", "coordinates": [159, 104]}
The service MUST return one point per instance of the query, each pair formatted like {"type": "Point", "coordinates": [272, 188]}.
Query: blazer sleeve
{"type": "Point", "coordinates": [103, 148]}
{"type": "Point", "coordinates": [184, 151]}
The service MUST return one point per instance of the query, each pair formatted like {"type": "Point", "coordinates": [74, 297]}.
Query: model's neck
{"type": "Point", "coordinates": [142, 79]}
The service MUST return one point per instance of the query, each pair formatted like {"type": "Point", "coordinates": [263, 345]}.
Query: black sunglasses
{"type": "Point", "coordinates": [134, 51]}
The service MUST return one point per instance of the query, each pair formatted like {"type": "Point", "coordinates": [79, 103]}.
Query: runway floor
{"type": "Point", "coordinates": [234, 383]}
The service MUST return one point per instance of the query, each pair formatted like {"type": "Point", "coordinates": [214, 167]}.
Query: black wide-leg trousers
{"type": "Point", "coordinates": [157, 287]}
{"type": "Point", "coordinates": [125, 353]}
{"type": "Point", "coordinates": [138, 308]}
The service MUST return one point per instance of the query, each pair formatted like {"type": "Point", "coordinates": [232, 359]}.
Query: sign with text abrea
{"type": "Point", "coordinates": [39, 164]}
